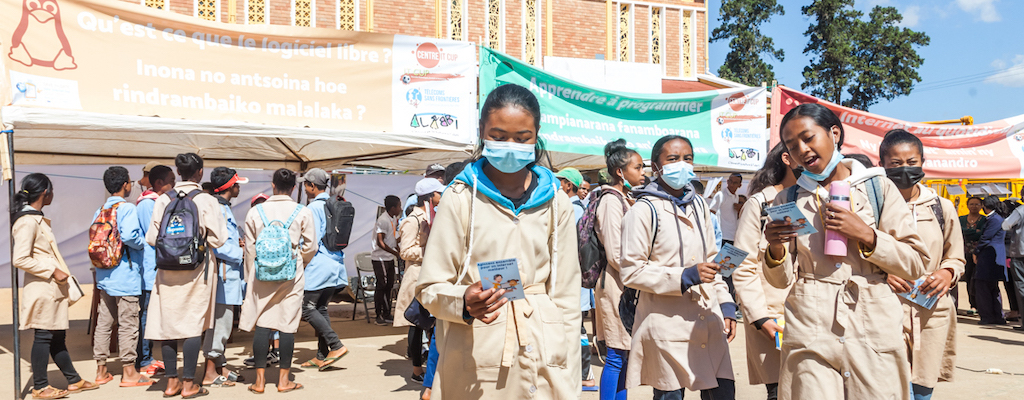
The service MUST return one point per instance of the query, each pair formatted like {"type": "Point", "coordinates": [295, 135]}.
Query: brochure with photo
{"type": "Point", "coordinates": [728, 259]}
{"type": "Point", "coordinates": [790, 213]}
{"type": "Point", "coordinates": [502, 274]}
{"type": "Point", "coordinates": [781, 322]}
{"type": "Point", "coordinates": [919, 297]}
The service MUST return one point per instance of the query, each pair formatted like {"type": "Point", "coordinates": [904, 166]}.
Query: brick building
{"type": "Point", "coordinates": [672, 33]}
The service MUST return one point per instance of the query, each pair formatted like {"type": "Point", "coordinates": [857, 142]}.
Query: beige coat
{"type": "Point", "coordinates": [609, 229]}
{"type": "Point", "coordinates": [182, 305]}
{"type": "Point", "coordinates": [411, 241]}
{"type": "Point", "coordinates": [538, 355]}
{"type": "Point", "coordinates": [756, 296]}
{"type": "Point", "coordinates": [44, 302]}
{"type": "Point", "coordinates": [842, 335]}
{"type": "Point", "coordinates": [931, 334]}
{"type": "Point", "coordinates": [276, 305]}
{"type": "Point", "coordinates": [678, 337]}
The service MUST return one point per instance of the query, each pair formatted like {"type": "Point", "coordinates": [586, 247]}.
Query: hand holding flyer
{"type": "Point", "coordinates": [918, 296]}
{"type": "Point", "coordinates": [502, 274]}
{"type": "Point", "coordinates": [790, 213]}
{"type": "Point", "coordinates": [728, 259]}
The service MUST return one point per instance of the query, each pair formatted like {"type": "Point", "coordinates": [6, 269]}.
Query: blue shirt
{"type": "Point", "coordinates": [125, 279]}
{"type": "Point", "coordinates": [230, 282]}
{"type": "Point", "coordinates": [327, 268]}
{"type": "Point", "coordinates": [718, 231]}
{"type": "Point", "coordinates": [586, 295]}
{"type": "Point", "coordinates": [145, 212]}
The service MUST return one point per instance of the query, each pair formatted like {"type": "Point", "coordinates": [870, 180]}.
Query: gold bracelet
{"type": "Point", "coordinates": [772, 263]}
{"type": "Point", "coordinates": [864, 251]}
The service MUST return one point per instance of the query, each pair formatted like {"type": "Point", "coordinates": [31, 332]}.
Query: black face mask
{"type": "Point", "coordinates": [797, 172]}
{"type": "Point", "coordinates": [905, 177]}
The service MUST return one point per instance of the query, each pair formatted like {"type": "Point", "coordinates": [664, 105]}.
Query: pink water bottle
{"type": "Point", "coordinates": [839, 195]}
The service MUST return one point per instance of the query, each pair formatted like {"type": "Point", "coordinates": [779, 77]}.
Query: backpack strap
{"type": "Point", "coordinates": [263, 216]}
{"type": "Point", "coordinates": [937, 210]}
{"type": "Point", "coordinates": [791, 193]}
{"type": "Point", "coordinates": [291, 218]}
{"type": "Point", "coordinates": [654, 219]}
{"type": "Point", "coordinates": [875, 197]}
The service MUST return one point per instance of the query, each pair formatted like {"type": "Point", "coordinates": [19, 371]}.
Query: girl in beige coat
{"type": "Point", "coordinates": [685, 316]}
{"type": "Point", "coordinates": [842, 336]}
{"type": "Point", "coordinates": [762, 303]}
{"type": "Point", "coordinates": [412, 238]}
{"type": "Point", "coordinates": [276, 305]}
{"type": "Point", "coordinates": [930, 334]}
{"type": "Point", "coordinates": [626, 169]}
{"type": "Point", "coordinates": [503, 206]}
{"type": "Point", "coordinates": [44, 296]}
{"type": "Point", "coordinates": [182, 306]}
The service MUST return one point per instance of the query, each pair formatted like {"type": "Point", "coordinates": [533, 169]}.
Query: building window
{"type": "Point", "coordinates": [303, 13]}
{"type": "Point", "coordinates": [158, 4]}
{"type": "Point", "coordinates": [531, 20]}
{"type": "Point", "coordinates": [206, 9]}
{"type": "Point", "coordinates": [348, 15]}
{"type": "Point", "coordinates": [656, 35]}
{"type": "Point", "coordinates": [686, 44]}
{"type": "Point", "coordinates": [255, 12]}
{"type": "Point", "coordinates": [625, 34]}
{"type": "Point", "coordinates": [495, 25]}
{"type": "Point", "coordinates": [457, 19]}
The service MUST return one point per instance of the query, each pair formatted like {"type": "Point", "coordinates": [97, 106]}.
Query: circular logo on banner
{"type": "Point", "coordinates": [739, 100]}
{"type": "Point", "coordinates": [428, 55]}
{"type": "Point", "coordinates": [414, 97]}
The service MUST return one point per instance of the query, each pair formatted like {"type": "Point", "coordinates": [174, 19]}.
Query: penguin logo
{"type": "Point", "coordinates": [48, 45]}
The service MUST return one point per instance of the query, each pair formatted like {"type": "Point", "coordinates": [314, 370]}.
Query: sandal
{"type": "Point", "coordinates": [202, 392]}
{"type": "Point", "coordinates": [175, 394]}
{"type": "Point", "coordinates": [143, 381]}
{"type": "Point", "coordinates": [54, 393]}
{"type": "Point", "coordinates": [297, 386]}
{"type": "Point", "coordinates": [310, 364]}
{"type": "Point", "coordinates": [221, 381]}
{"type": "Point", "coordinates": [82, 386]}
{"type": "Point", "coordinates": [105, 379]}
{"type": "Point", "coordinates": [331, 360]}
{"type": "Point", "coordinates": [252, 389]}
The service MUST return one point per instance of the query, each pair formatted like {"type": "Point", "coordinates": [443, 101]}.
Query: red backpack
{"type": "Point", "coordinates": [105, 246]}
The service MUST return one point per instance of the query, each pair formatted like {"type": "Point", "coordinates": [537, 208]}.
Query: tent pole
{"type": "Point", "coordinates": [16, 347]}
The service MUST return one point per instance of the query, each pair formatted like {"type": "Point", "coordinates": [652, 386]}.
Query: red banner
{"type": "Point", "coordinates": [990, 150]}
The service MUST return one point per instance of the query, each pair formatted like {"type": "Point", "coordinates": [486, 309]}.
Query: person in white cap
{"type": "Point", "coordinates": [412, 234]}
{"type": "Point", "coordinates": [435, 171]}
{"type": "Point", "coordinates": [325, 272]}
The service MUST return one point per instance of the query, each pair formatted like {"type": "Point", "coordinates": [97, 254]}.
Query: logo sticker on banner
{"type": "Point", "coordinates": [581, 119]}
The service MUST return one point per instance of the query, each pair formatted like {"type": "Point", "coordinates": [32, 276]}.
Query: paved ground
{"type": "Point", "coordinates": [377, 369]}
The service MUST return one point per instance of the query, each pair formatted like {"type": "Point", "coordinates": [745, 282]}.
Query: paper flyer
{"type": "Point", "coordinates": [728, 259]}
{"type": "Point", "coordinates": [919, 297]}
{"type": "Point", "coordinates": [790, 213]}
{"type": "Point", "coordinates": [502, 274]}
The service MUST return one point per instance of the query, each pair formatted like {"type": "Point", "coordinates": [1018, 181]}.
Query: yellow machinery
{"type": "Point", "coordinates": [958, 190]}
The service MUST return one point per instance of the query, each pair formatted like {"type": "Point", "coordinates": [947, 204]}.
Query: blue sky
{"type": "Point", "coordinates": [973, 66]}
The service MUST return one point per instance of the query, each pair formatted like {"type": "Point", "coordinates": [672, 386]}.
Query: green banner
{"type": "Point", "coordinates": [727, 127]}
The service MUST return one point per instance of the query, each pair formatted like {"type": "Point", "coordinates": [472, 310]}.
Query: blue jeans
{"type": "Point", "coordinates": [428, 376]}
{"type": "Point", "coordinates": [145, 347]}
{"type": "Point", "coordinates": [920, 392]}
{"type": "Point", "coordinates": [613, 377]}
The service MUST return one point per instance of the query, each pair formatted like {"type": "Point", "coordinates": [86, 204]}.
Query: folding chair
{"type": "Point", "coordinates": [365, 284]}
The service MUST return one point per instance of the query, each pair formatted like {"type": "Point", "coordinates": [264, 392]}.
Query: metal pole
{"type": "Point", "coordinates": [14, 272]}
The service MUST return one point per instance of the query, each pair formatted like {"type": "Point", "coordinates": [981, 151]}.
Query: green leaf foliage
{"type": "Point", "coordinates": [859, 62]}
{"type": "Point", "coordinates": [740, 22]}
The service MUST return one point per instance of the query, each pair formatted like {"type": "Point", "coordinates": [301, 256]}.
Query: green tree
{"type": "Point", "coordinates": [870, 59]}
{"type": "Point", "coordinates": [740, 21]}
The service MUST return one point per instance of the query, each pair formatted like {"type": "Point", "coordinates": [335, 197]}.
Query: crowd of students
{"type": "Point", "coordinates": [664, 310]}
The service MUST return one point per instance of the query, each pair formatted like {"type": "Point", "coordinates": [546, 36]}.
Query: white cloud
{"type": "Point", "coordinates": [984, 9]}
{"type": "Point", "coordinates": [911, 16]}
{"type": "Point", "coordinates": [1012, 76]}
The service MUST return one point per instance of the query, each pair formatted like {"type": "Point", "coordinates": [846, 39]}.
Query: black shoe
{"type": "Point", "coordinates": [381, 321]}
{"type": "Point", "coordinates": [417, 378]}
{"type": "Point", "coordinates": [1018, 328]}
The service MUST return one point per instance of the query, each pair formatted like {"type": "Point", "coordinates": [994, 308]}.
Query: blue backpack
{"type": "Point", "coordinates": [275, 260]}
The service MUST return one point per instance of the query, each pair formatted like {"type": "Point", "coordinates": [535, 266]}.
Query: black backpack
{"type": "Point", "coordinates": [340, 215]}
{"type": "Point", "coordinates": [180, 246]}
{"type": "Point", "coordinates": [593, 259]}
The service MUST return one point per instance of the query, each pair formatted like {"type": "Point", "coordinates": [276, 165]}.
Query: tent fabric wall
{"type": "Point", "coordinates": [79, 192]}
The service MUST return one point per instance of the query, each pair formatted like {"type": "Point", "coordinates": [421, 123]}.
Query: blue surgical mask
{"type": "Point", "coordinates": [677, 174]}
{"type": "Point", "coordinates": [509, 157]}
{"type": "Point", "coordinates": [836, 158]}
